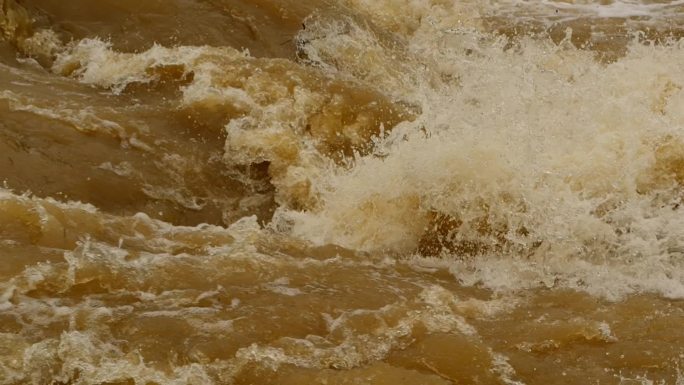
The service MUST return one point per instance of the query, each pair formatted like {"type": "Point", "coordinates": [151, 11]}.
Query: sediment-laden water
{"type": "Point", "coordinates": [341, 192]}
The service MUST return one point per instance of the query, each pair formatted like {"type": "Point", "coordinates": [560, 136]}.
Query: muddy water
{"type": "Point", "coordinates": [341, 192]}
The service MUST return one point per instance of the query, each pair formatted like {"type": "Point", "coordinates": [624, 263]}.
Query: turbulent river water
{"type": "Point", "coordinates": [337, 192]}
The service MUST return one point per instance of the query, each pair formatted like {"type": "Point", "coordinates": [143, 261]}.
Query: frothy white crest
{"type": "Point", "coordinates": [94, 62]}
{"type": "Point", "coordinates": [541, 157]}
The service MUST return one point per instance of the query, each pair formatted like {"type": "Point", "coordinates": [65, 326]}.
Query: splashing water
{"type": "Point", "coordinates": [351, 192]}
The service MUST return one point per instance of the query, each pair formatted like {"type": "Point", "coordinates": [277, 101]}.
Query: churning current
{"type": "Point", "coordinates": [341, 192]}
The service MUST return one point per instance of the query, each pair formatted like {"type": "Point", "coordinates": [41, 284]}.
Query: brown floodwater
{"type": "Point", "coordinates": [341, 192]}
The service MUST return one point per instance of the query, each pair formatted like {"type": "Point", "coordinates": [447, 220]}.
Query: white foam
{"type": "Point", "coordinates": [543, 144]}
